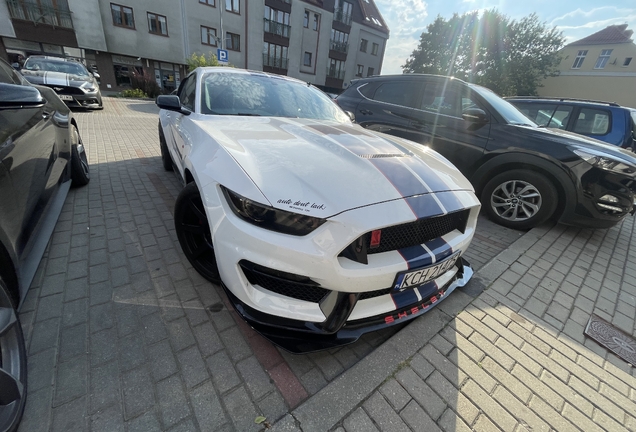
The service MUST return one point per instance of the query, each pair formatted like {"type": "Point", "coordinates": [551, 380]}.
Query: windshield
{"type": "Point", "coordinates": [254, 94]}
{"type": "Point", "coordinates": [505, 109]}
{"type": "Point", "coordinates": [47, 65]}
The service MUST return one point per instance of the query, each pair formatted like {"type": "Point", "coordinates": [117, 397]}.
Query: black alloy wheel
{"type": "Point", "coordinates": [519, 199]}
{"type": "Point", "coordinates": [166, 160]}
{"type": "Point", "coordinates": [80, 173]}
{"type": "Point", "coordinates": [193, 231]}
{"type": "Point", "coordinates": [13, 364]}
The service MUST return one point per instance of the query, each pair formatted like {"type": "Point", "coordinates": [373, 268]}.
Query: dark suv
{"type": "Point", "coordinates": [605, 121]}
{"type": "Point", "coordinates": [524, 174]}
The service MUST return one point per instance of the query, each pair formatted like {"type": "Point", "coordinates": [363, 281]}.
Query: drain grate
{"type": "Point", "coordinates": [612, 338]}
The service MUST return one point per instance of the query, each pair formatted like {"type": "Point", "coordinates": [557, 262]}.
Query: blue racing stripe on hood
{"type": "Point", "coordinates": [403, 180]}
{"type": "Point", "coordinates": [424, 206]}
{"type": "Point", "coordinates": [450, 201]}
{"type": "Point", "coordinates": [427, 174]}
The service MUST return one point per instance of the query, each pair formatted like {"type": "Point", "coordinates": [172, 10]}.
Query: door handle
{"type": "Point", "coordinates": [365, 112]}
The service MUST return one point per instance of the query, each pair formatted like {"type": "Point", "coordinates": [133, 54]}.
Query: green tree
{"type": "Point", "coordinates": [511, 57]}
{"type": "Point", "coordinates": [196, 60]}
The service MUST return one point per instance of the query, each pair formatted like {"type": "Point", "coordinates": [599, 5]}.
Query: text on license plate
{"type": "Point", "coordinates": [413, 278]}
{"type": "Point", "coordinates": [66, 97]}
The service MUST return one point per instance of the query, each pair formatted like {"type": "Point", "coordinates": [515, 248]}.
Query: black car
{"type": "Point", "coordinates": [604, 121]}
{"type": "Point", "coordinates": [41, 155]}
{"type": "Point", "coordinates": [74, 84]}
{"type": "Point", "coordinates": [523, 173]}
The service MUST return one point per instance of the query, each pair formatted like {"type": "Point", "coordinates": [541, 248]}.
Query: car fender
{"type": "Point", "coordinates": [511, 160]}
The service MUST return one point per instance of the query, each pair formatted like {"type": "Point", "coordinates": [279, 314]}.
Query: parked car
{"type": "Point", "coordinates": [74, 84]}
{"type": "Point", "coordinates": [318, 230]}
{"type": "Point", "coordinates": [523, 173]}
{"type": "Point", "coordinates": [604, 121]}
{"type": "Point", "coordinates": [41, 154]}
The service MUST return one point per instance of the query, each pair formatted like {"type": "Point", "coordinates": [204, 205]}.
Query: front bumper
{"type": "Point", "coordinates": [340, 298]}
{"type": "Point", "coordinates": [305, 336]}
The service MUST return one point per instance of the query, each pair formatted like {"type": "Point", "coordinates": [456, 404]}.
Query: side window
{"type": "Point", "coordinates": [404, 93]}
{"type": "Point", "coordinates": [561, 117]}
{"type": "Point", "coordinates": [592, 121]}
{"type": "Point", "coordinates": [541, 114]}
{"type": "Point", "coordinates": [187, 92]}
{"type": "Point", "coordinates": [443, 99]}
{"type": "Point", "coordinates": [8, 75]}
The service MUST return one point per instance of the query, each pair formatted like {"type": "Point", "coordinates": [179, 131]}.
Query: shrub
{"type": "Point", "coordinates": [146, 83]}
{"type": "Point", "coordinates": [195, 61]}
{"type": "Point", "coordinates": [134, 93]}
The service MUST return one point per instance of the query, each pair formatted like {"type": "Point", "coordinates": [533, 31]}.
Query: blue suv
{"type": "Point", "coordinates": [605, 121]}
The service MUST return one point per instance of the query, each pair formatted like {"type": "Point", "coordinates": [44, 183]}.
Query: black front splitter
{"type": "Point", "coordinates": [299, 337]}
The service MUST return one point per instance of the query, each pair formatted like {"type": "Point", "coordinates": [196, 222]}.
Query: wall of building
{"type": "Point", "coordinates": [88, 26]}
{"type": "Point", "coordinates": [613, 83]}
{"type": "Point", "coordinates": [6, 26]}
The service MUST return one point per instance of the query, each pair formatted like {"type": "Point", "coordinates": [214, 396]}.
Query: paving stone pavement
{"type": "Point", "coordinates": [123, 335]}
{"type": "Point", "coordinates": [513, 359]}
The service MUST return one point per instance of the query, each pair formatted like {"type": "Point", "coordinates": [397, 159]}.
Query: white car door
{"type": "Point", "coordinates": [180, 134]}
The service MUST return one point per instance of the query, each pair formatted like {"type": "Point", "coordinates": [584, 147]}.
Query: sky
{"type": "Point", "coordinates": [407, 19]}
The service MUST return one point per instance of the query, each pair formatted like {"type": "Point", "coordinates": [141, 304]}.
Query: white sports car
{"type": "Point", "coordinates": [317, 229]}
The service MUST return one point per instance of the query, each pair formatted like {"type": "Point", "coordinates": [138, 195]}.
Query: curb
{"type": "Point", "coordinates": [329, 406]}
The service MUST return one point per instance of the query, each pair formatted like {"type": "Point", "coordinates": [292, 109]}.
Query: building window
{"type": "Point", "coordinates": [307, 59]}
{"type": "Point", "coordinates": [208, 2]}
{"type": "Point", "coordinates": [336, 69]}
{"type": "Point", "coordinates": [208, 36]}
{"type": "Point", "coordinates": [306, 20]}
{"type": "Point", "coordinates": [603, 59]}
{"type": "Point", "coordinates": [339, 41]}
{"type": "Point", "coordinates": [316, 21]}
{"type": "Point", "coordinates": [122, 16]}
{"type": "Point", "coordinates": [274, 56]}
{"type": "Point", "coordinates": [578, 61]}
{"type": "Point", "coordinates": [157, 24]}
{"type": "Point", "coordinates": [370, 72]}
{"type": "Point", "coordinates": [360, 70]}
{"type": "Point", "coordinates": [232, 41]}
{"type": "Point", "coordinates": [374, 49]}
{"type": "Point", "coordinates": [277, 22]}
{"type": "Point", "coordinates": [342, 12]}
{"type": "Point", "coordinates": [627, 61]}
{"type": "Point", "coordinates": [363, 45]}
{"type": "Point", "coordinates": [233, 6]}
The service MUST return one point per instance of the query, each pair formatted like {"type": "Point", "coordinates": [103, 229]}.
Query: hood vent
{"type": "Point", "coordinates": [384, 155]}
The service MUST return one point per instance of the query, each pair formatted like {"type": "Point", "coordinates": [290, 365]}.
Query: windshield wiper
{"type": "Point", "coordinates": [248, 114]}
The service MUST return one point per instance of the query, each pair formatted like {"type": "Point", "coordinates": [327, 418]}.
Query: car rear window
{"type": "Point", "coordinates": [592, 121]}
{"type": "Point", "coordinates": [404, 93]}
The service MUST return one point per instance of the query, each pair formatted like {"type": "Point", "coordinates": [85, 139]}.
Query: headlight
{"type": "Point", "coordinates": [269, 217]}
{"type": "Point", "coordinates": [604, 161]}
{"type": "Point", "coordinates": [88, 87]}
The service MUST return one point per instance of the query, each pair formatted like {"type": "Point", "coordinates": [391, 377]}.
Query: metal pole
{"type": "Point", "coordinates": [221, 7]}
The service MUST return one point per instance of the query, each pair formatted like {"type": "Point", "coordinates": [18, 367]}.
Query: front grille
{"type": "Point", "coordinates": [66, 90]}
{"type": "Point", "coordinates": [374, 294]}
{"type": "Point", "coordinates": [287, 284]}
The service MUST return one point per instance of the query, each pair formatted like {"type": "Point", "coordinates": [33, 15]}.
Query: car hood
{"type": "Point", "coordinates": [55, 78]}
{"type": "Point", "coordinates": [559, 136]}
{"type": "Point", "coordinates": [324, 168]}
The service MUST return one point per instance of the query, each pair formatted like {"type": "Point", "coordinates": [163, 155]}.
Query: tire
{"type": "Point", "coordinates": [166, 160]}
{"type": "Point", "coordinates": [80, 172]}
{"type": "Point", "coordinates": [193, 232]}
{"type": "Point", "coordinates": [519, 199]}
{"type": "Point", "coordinates": [13, 364]}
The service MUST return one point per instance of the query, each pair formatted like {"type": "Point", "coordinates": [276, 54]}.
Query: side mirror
{"type": "Point", "coordinates": [475, 115]}
{"type": "Point", "coordinates": [13, 96]}
{"type": "Point", "coordinates": [96, 75]}
{"type": "Point", "coordinates": [171, 103]}
{"type": "Point", "coordinates": [16, 66]}
{"type": "Point", "coordinates": [352, 116]}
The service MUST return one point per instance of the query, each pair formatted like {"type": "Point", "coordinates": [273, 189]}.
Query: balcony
{"type": "Point", "coordinates": [335, 73]}
{"type": "Point", "coordinates": [276, 28]}
{"type": "Point", "coordinates": [27, 11]}
{"type": "Point", "coordinates": [342, 47]}
{"type": "Point", "coordinates": [340, 16]}
{"type": "Point", "coordinates": [274, 62]}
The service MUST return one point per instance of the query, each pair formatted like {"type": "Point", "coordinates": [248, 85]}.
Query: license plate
{"type": "Point", "coordinates": [66, 97]}
{"type": "Point", "coordinates": [413, 278]}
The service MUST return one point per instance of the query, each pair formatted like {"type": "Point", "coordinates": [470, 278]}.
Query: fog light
{"type": "Point", "coordinates": [609, 198]}
{"type": "Point", "coordinates": [611, 208]}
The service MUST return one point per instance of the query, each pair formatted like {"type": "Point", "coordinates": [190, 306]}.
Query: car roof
{"type": "Point", "coordinates": [406, 76]}
{"type": "Point", "coordinates": [572, 101]}
{"type": "Point", "coordinates": [225, 69]}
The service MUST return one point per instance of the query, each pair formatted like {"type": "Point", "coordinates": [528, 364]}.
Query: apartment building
{"type": "Point", "coordinates": [325, 42]}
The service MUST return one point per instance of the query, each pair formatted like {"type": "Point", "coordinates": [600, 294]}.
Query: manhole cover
{"type": "Point", "coordinates": [612, 338]}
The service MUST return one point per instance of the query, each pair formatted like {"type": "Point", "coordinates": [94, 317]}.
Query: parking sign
{"type": "Point", "coordinates": [221, 54]}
